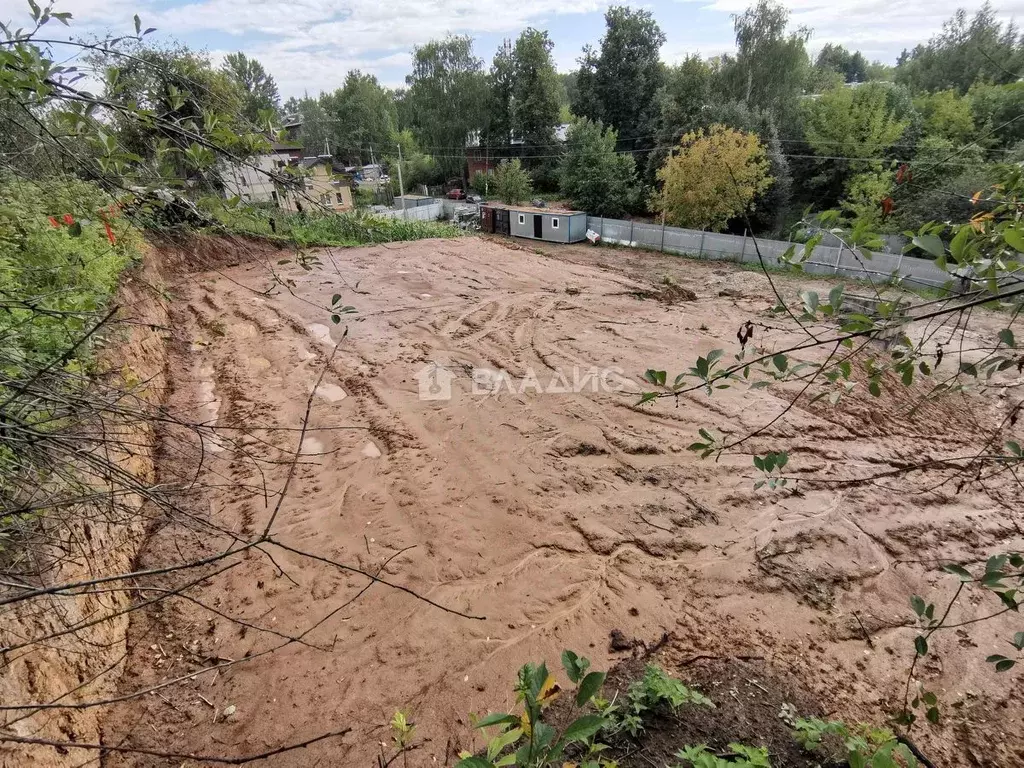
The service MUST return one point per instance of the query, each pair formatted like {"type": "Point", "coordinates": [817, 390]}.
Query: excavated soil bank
{"type": "Point", "coordinates": [540, 499]}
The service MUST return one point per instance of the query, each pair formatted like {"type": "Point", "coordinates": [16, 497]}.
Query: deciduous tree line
{"type": "Point", "coordinates": [746, 139]}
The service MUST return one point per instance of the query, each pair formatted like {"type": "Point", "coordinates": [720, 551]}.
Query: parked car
{"type": "Point", "coordinates": [456, 194]}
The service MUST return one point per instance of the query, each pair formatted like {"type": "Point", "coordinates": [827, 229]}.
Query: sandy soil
{"type": "Point", "coordinates": [555, 516]}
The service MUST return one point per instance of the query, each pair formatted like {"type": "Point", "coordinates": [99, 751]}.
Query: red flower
{"type": "Point", "coordinates": [110, 233]}
{"type": "Point", "coordinates": [53, 222]}
{"type": "Point", "coordinates": [68, 219]}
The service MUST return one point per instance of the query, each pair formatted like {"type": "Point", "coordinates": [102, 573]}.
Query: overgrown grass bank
{"type": "Point", "coordinates": [311, 229]}
{"type": "Point", "coordinates": [60, 262]}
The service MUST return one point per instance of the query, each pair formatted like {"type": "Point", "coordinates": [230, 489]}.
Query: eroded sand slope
{"type": "Point", "coordinates": [556, 516]}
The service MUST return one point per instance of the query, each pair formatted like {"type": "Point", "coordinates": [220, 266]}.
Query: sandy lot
{"type": "Point", "coordinates": [556, 516]}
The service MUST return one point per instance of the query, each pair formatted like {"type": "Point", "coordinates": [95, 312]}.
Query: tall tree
{"type": "Point", "coordinates": [770, 65]}
{"type": "Point", "coordinates": [186, 92]}
{"type": "Point", "coordinates": [714, 176]}
{"type": "Point", "coordinates": [534, 89]}
{"type": "Point", "coordinates": [257, 84]}
{"type": "Point", "coordinates": [618, 83]}
{"type": "Point", "coordinates": [447, 92]}
{"type": "Point", "coordinates": [566, 95]}
{"type": "Point", "coordinates": [593, 176]}
{"type": "Point", "coordinates": [363, 118]}
{"type": "Point", "coordinates": [997, 110]}
{"type": "Point", "coordinates": [851, 129]}
{"type": "Point", "coordinates": [315, 133]}
{"type": "Point", "coordinates": [689, 102]}
{"type": "Point", "coordinates": [500, 81]}
{"type": "Point", "coordinates": [947, 115]}
{"type": "Point", "coordinates": [969, 50]}
{"type": "Point", "coordinates": [852, 66]}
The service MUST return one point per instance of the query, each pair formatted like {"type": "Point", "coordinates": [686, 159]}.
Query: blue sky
{"type": "Point", "coordinates": [309, 45]}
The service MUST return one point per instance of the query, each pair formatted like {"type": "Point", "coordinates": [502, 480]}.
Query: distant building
{"type": "Point", "coordinates": [485, 159]}
{"type": "Point", "coordinates": [319, 183]}
{"type": "Point", "coordinates": [253, 181]}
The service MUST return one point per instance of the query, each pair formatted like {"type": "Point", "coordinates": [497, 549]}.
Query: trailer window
{"type": "Point", "coordinates": [522, 218]}
{"type": "Point", "coordinates": [554, 223]}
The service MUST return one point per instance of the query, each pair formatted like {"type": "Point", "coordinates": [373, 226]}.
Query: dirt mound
{"type": "Point", "coordinates": [754, 706]}
{"type": "Point", "coordinates": [674, 294]}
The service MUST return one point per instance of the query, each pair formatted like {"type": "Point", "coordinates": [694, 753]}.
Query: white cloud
{"type": "Point", "coordinates": [310, 44]}
{"type": "Point", "coordinates": [878, 28]}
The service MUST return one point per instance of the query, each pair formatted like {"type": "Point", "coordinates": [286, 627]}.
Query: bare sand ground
{"type": "Point", "coordinates": [556, 516]}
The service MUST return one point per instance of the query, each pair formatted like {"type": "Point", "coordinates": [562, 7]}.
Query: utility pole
{"type": "Point", "coordinates": [401, 186]}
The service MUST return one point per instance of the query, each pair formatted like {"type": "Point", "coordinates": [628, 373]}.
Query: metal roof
{"type": "Point", "coordinates": [534, 209]}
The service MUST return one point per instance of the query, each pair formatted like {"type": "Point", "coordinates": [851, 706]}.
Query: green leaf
{"type": "Point", "coordinates": [589, 687]}
{"type": "Point", "coordinates": [497, 718]}
{"type": "Point", "coordinates": [930, 698]}
{"type": "Point", "coordinates": [473, 762]}
{"type": "Point", "coordinates": [138, 24]}
{"type": "Point", "coordinates": [874, 388]}
{"type": "Point", "coordinates": [835, 297]}
{"type": "Point", "coordinates": [921, 645]}
{"type": "Point", "coordinates": [1014, 238]}
{"type": "Point", "coordinates": [335, 319]}
{"type": "Point", "coordinates": [962, 573]}
{"type": "Point", "coordinates": [781, 362]}
{"type": "Point", "coordinates": [1006, 336]}
{"type": "Point", "coordinates": [908, 375]}
{"type": "Point", "coordinates": [655, 377]}
{"type": "Point", "coordinates": [1009, 600]}
{"type": "Point", "coordinates": [932, 714]}
{"type": "Point", "coordinates": [917, 603]}
{"type": "Point", "coordinates": [496, 745]}
{"type": "Point", "coordinates": [647, 397]}
{"type": "Point", "coordinates": [930, 244]}
{"type": "Point", "coordinates": [335, 299]}
{"type": "Point", "coordinates": [75, 230]}
{"type": "Point", "coordinates": [1018, 641]}
{"type": "Point", "coordinates": [995, 564]}
{"type": "Point", "coordinates": [1004, 665]}
{"type": "Point", "coordinates": [569, 664]}
{"type": "Point", "coordinates": [544, 734]}
{"type": "Point", "coordinates": [958, 243]}
{"type": "Point", "coordinates": [810, 299]}
{"type": "Point", "coordinates": [583, 728]}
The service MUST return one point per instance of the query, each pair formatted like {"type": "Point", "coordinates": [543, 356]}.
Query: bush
{"type": "Point", "coordinates": [58, 268]}
{"type": "Point", "coordinates": [355, 228]}
{"type": "Point", "coordinates": [511, 183]}
{"type": "Point", "coordinates": [594, 178]}
{"type": "Point", "coordinates": [481, 184]}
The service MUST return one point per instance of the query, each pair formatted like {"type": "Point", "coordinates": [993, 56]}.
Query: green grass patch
{"type": "Point", "coordinates": [58, 269]}
{"type": "Point", "coordinates": [341, 229]}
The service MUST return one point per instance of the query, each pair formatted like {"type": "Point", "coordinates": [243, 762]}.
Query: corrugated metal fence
{"type": "Point", "coordinates": [825, 260]}
{"type": "Point", "coordinates": [430, 212]}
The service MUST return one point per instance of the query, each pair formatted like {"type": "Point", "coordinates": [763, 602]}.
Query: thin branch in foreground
{"type": "Point", "coordinates": [172, 755]}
